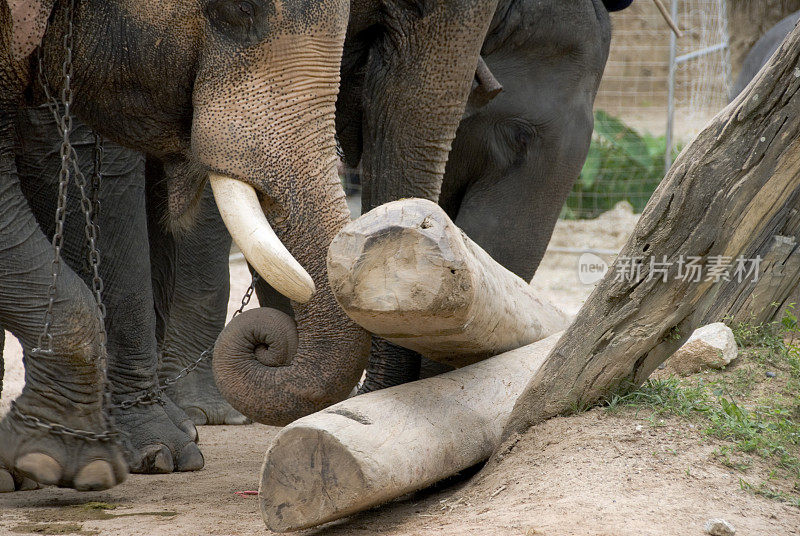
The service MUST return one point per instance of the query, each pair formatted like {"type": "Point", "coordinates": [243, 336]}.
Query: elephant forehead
{"type": "Point", "coordinates": [163, 15]}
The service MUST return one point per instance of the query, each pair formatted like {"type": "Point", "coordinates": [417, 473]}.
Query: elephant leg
{"type": "Point", "coordinates": [65, 386]}
{"type": "Point", "coordinates": [196, 312]}
{"type": "Point", "coordinates": [269, 297]}
{"type": "Point", "coordinates": [159, 435]}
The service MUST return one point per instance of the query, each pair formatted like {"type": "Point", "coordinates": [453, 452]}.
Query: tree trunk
{"type": "Point", "coordinates": [732, 193]}
{"type": "Point", "coordinates": [406, 273]}
{"type": "Point", "coordinates": [375, 447]}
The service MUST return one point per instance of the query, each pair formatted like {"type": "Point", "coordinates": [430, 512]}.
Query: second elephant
{"type": "Point", "coordinates": [513, 161]}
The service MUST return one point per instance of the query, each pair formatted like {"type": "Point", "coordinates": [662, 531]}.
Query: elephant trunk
{"type": "Point", "coordinates": [264, 126]}
{"type": "Point", "coordinates": [275, 369]}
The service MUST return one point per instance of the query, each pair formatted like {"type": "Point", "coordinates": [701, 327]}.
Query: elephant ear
{"type": "Point", "coordinates": [28, 23]}
{"type": "Point", "coordinates": [617, 5]}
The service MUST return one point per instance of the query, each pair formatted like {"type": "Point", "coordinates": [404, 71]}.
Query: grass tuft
{"type": "Point", "coordinates": [753, 409]}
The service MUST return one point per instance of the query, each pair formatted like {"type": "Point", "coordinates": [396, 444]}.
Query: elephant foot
{"type": "Point", "coordinates": [181, 419]}
{"type": "Point", "coordinates": [198, 396]}
{"type": "Point", "coordinates": [30, 455]}
{"type": "Point", "coordinates": [155, 443]}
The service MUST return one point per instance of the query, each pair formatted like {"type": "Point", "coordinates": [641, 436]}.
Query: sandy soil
{"type": "Point", "coordinates": [591, 474]}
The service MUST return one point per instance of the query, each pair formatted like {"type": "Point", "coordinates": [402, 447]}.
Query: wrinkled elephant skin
{"type": "Point", "coordinates": [250, 97]}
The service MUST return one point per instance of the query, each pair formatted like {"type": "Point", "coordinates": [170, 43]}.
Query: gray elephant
{"type": "Point", "coordinates": [513, 160]}
{"type": "Point", "coordinates": [241, 91]}
{"type": "Point", "coordinates": [762, 51]}
{"type": "Point", "coordinates": [189, 272]}
{"type": "Point", "coordinates": [406, 75]}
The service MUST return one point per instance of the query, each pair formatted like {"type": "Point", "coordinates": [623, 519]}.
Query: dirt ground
{"type": "Point", "coordinates": [597, 473]}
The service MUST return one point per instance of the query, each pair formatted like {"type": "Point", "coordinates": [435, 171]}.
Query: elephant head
{"type": "Point", "coordinates": [242, 92]}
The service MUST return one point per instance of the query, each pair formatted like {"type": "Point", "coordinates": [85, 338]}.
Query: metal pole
{"type": "Point", "coordinates": [673, 52]}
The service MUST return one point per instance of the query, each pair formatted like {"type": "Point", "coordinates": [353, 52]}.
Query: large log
{"type": "Point", "coordinates": [733, 193]}
{"type": "Point", "coordinates": [375, 447]}
{"type": "Point", "coordinates": [405, 272]}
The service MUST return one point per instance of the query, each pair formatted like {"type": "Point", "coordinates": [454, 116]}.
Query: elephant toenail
{"type": "Point", "coordinates": [96, 476]}
{"type": "Point", "coordinates": [237, 418]}
{"type": "Point", "coordinates": [6, 481]}
{"type": "Point", "coordinates": [162, 461]}
{"type": "Point", "coordinates": [40, 467]}
{"type": "Point", "coordinates": [191, 459]}
{"type": "Point", "coordinates": [197, 415]}
{"type": "Point", "coordinates": [27, 485]}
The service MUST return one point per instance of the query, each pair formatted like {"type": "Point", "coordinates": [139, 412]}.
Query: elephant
{"type": "Point", "coordinates": [406, 74]}
{"type": "Point", "coordinates": [762, 51]}
{"type": "Point", "coordinates": [238, 93]}
{"type": "Point", "coordinates": [518, 154]}
{"type": "Point", "coordinates": [513, 160]}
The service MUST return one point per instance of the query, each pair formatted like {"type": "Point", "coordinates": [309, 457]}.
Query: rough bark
{"type": "Point", "coordinates": [372, 448]}
{"type": "Point", "coordinates": [406, 273]}
{"type": "Point", "coordinates": [733, 192]}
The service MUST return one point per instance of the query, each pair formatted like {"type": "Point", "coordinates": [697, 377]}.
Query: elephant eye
{"type": "Point", "coordinates": [514, 138]}
{"type": "Point", "coordinates": [247, 8]}
{"type": "Point", "coordinates": [243, 19]}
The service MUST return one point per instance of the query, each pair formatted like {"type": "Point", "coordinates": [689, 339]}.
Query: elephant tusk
{"type": "Point", "coordinates": [490, 85]}
{"type": "Point", "coordinates": [668, 18]}
{"type": "Point", "coordinates": [243, 216]}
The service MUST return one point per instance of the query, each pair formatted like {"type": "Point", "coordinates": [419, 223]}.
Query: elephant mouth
{"type": "Point", "coordinates": [243, 216]}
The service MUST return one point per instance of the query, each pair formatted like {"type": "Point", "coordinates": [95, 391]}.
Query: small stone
{"type": "Point", "coordinates": [719, 527]}
{"type": "Point", "coordinates": [711, 346]}
{"type": "Point", "coordinates": [771, 374]}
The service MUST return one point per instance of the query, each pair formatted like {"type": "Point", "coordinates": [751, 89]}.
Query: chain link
{"type": "Point", "coordinates": [210, 350]}
{"type": "Point", "coordinates": [60, 429]}
{"type": "Point", "coordinates": [69, 168]}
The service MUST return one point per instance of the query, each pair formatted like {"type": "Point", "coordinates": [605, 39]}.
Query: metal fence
{"type": "Point", "coordinates": [657, 93]}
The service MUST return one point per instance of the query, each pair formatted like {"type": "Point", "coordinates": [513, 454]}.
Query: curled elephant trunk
{"type": "Point", "coordinates": [264, 126]}
{"type": "Point", "coordinates": [275, 369]}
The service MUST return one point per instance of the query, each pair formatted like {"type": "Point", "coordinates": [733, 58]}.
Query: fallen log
{"type": "Point", "coordinates": [732, 194]}
{"type": "Point", "coordinates": [375, 447]}
{"type": "Point", "coordinates": [405, 272]}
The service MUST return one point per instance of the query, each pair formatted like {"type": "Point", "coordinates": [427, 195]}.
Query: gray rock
{"type": "Point", "coordinates": [719, 527]}
{"type": "Point", "coordinates": [709, 347]}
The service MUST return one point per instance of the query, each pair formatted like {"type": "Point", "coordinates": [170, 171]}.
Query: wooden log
{"type": "Point", "coordinates": [405, 272]}
{"type": "Point", "coordinates": [732, 193]}
{"type": "Point", "coordinates": [375, 447]}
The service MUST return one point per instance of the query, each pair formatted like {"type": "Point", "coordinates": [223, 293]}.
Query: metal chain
{"type": "Point", "coordinates": [209, 351]}
{"type": "Point", "coordinates": [70, 167]}
{"type": "Point", "coordinates": [60, 429]}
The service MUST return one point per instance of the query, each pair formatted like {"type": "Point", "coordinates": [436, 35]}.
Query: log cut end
{"type": "Point", "coordinates": [405, 272]}
{"type": "Point", "coordinates": [308, 478]}
{"type": "Point", "coordinates": [397, 265]}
